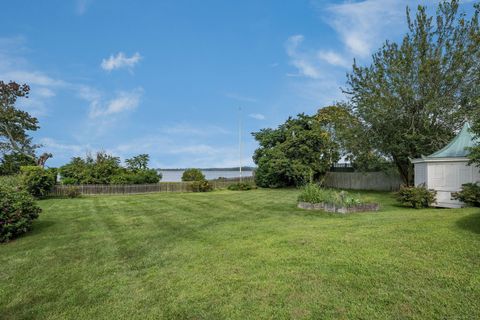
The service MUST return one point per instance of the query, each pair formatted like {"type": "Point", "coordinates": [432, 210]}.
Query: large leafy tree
{"type": "Point", "coordinates": [475, 151]}
{"type": "Point", "coordinates": [10, 163]}
{"type": "Point", "coordinates": [15, 123]}
{"type": "Point", "coordinates": [348, 131]}
{"type": "Point", "coordinates": [296, 152]}
{"type": "Point", "coordinates": [138, 163]}
{"type": "Point", "coordinates": [416, 93]}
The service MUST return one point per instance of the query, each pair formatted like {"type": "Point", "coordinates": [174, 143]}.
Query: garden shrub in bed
{"type": "Point", "coordinates": [416, 197]}
{"type": "Point", "coordinates": [470, 194]}
{"type": "Point", "coordinates": [17, 212]}
{"type": "Point", "coordinates": [315, 197]}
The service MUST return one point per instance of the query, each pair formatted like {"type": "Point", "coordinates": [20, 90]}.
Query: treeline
{"type": "Point", "coordinates": [107, 169]}
{"type": "Point", "coordinates": [408, 102]}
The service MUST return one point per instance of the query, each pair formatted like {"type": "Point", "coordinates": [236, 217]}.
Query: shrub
{"type": "Point", "coordinates": [13, 181]}
{"type": "Point", "coordinates": [416, 197]}
{"type": "Point", "coordinates": [201, 186]}
{"type": "Point", "coordinates": [17, 211]}
{"type": "Point", "coordinates": [241, 186]}
{"type": "Point", "coordinates": [312, 193]}
{"type": "Point", "coordinates": [193, 175]}
{"type": "Point", "coordinates": [470, 194]}
{"type": "Point", "coordinates": [37, 181]}
{"type": "Point", "coordinates": [73, 192]}
{"type": "Point", "coordinates": [69, 181]}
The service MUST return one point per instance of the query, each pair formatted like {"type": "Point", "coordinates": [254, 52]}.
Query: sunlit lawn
{"type": "Point", "coordinates": [240, 255]}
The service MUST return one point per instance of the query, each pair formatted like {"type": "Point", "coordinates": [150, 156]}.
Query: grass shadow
{"type": "Point", "coordinates": [470, 223]}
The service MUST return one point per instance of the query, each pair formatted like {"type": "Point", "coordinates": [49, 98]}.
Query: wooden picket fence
{"type": "Point", "coordinates": [92, 189]}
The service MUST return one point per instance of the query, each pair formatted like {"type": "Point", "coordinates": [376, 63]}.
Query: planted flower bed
{"type": "Point", "coordinates": [313, 197]}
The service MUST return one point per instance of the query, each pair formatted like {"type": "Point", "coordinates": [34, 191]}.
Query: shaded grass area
{"type": "Point", "coordinates": [240, 255]}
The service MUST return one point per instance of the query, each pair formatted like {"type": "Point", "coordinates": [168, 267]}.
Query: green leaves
{"type": "Point", "coordinates": [295, 153]}
{"type": "Point", "coordinates": [416, 93]}
{"type": "Point", "coordinates": [15, 123]}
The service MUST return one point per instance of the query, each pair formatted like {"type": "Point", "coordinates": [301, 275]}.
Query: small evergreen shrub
{"type": "Point", "coordinates": [470, 194]}
{"type": "Point", "coordinates": [17, 211]}
{"type": "Point", "coordinates": [193, 175]}
{"type": "Point", "coordinates": [201, 186]}
{"type": "Point", "coordinates": [416, 197]}
{"type": "Point", "coordinates": [37, 181]}
{"type": "Point", "coordinates": [241, 186]}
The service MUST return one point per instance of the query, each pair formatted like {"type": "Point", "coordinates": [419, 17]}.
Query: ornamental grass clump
{"type": "Point", "coordinates": [312, 193]}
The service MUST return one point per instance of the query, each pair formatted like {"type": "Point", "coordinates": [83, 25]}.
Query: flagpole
{"type": "Point", "coordinates": [240, 141]}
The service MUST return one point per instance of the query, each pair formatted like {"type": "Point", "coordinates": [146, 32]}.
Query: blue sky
{"type": "Point", "coordinates": [167, 77]}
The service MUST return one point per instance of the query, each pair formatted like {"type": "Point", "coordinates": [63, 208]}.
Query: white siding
{"type": "Point", "coordinates": [420, 174]}
{"type": "Point", "coordinates": [447, 177]}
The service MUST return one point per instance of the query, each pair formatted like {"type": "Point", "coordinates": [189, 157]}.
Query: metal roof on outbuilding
{"type": "Point", "coordinates": [459, 146]}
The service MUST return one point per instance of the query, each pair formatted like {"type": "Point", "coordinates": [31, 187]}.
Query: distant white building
{"type": "Point", "coordinates": [447, 169]}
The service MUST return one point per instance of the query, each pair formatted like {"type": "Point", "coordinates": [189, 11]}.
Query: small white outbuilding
{"type": "Point", "coordinates": [447, 169]}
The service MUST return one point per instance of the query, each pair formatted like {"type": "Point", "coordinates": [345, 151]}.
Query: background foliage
{"type": "Point", "coordinates": [298, 151]}
{"type": "Point", "coordinates": [106, 169]}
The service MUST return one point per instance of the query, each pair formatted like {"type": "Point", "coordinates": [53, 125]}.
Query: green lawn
{"type": "Point", "coordinates": [240, 255]}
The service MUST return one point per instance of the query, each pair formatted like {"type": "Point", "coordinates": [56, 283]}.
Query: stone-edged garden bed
{"type": "Point", "coordinates": [330, 207]}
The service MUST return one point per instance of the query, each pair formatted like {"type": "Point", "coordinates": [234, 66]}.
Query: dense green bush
{"type": "Point", "coordinates": [73, 192]}
{"type": "Point", "coordinates": [193, 175]}
{"type": "Point", "coordinates": [241, 186]}
{"type": "Point", "coordinates": [201, 186]}
{"type": "Point", "coordinates": [10, 163]}
{"type": "Point", "coordinates": [13, 180]}
{"type": "Point", "coordinates": [416, 197]}
{"type": "Point", "coordinates": [37, 181]}
{"type": "Point", "coordinates": [470, 194]}
{"type": "Point", "coordinates": [17, 211]}
{"type": "Point", "coordinates": [299, 151]}
{"type": "Point", "coordinates": [313, 193]}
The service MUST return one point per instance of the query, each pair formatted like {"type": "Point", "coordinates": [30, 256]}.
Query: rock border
{"type": "Point", "coordinates": [330, 207]}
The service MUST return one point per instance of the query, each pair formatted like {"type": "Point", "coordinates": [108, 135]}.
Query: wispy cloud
{"type": "Point", "coordinates": [239, 97]}
{"type": "Point", "coordinates": [303, 61]}
{"type": "Point", "coordinates": [193, 130]}
{"type": "Point", "coordinates": [257, 116]}
{"type": "Point", "coordinates": [14, 67]}
{"type": "Point", "coordinates": [119, 61]}
{"type": "Point", "coordinates": [81, 6]}
{"type": "Point", "coordinates": [333, 58]}
{"type": "Point", "coordinates": [99, 107]}
{"type": "Point", "coordinates": [364, 25]}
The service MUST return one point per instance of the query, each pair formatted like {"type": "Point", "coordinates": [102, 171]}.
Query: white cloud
{"type": "Point", "coordinates": [257, 116]}
{"type": "Point", "coordinates": [53, 145]}
{"type": "Point", "coordinates": [364, 25]}
{"type": "Point", "coordinates": [120, 61]}
{"type": "Point", "coordinates": [123, 101]}
{"type": "Point", "coordinates": [333, 58]}
{"type": "Point", "coordinates": [32, 78]}
{"type": "Point", "coordinates": [304, 62]}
